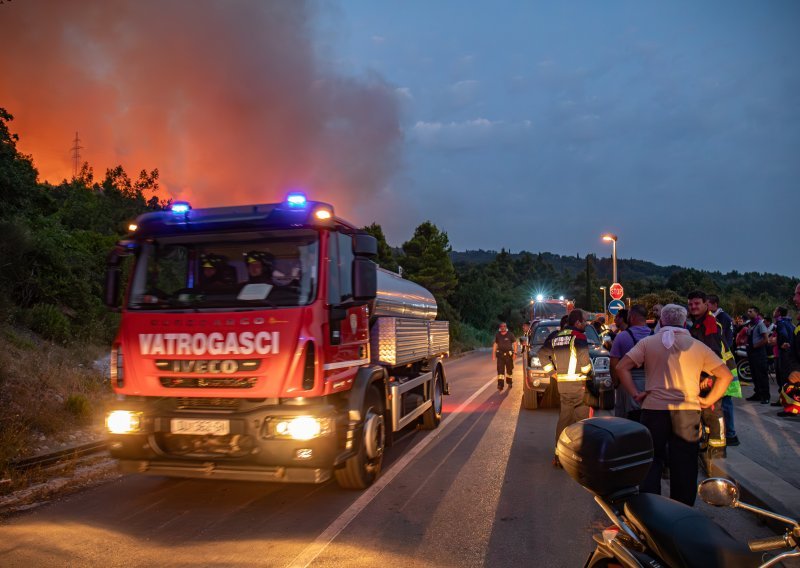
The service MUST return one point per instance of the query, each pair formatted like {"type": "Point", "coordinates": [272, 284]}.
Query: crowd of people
{"type": "Point", "coordinates": [677, 376]}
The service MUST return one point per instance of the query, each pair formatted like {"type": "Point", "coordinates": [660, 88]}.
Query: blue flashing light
{"type": "Point", "coordinates": [296, 199]}
{"type": "Point", "coordinates": [180, 207]}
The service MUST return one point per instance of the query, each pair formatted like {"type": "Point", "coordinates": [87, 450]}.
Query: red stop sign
{"type": "Point", "coordinates": [616, 291]}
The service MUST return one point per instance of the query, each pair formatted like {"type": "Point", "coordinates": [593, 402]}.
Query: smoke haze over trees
{"type": "Point", "coordinates": [232, 100]}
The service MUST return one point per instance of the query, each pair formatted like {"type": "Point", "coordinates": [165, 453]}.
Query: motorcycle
{"type": "Point", "coordinates": [610, 457]}
{"type": "Point", "coordinates": [743, 365]}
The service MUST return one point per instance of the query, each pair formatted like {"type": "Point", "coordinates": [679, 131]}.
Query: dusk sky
{"type": "Point", "coordinates": [525, 125]}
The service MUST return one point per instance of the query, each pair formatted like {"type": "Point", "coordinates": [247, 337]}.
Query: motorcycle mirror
{"type": "Point", "coordinates": [719, 492]}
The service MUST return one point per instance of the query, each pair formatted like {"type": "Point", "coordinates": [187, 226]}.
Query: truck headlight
{"type": "Point", "coordinates": [299, 427]}
{"type": "Point", "coordinates": [601, 364]}
{"type": "Point", "coordinates": [535, 362]}
{"type": "Point", "coordinates": [123, 422]}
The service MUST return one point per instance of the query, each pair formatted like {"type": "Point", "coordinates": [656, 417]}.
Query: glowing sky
{"type": "Point", "coordinates": [524, 125]}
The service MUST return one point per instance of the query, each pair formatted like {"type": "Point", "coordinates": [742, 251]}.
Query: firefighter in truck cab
{"type": "Point", "coordinates": [504, 351]}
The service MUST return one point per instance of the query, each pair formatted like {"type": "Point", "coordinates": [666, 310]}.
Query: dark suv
{"type": "Point", "coordinates": [536, 383]}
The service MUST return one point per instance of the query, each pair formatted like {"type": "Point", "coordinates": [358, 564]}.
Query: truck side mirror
{"type": "Point", "coordinates": [113, 271]}
{"type": "Point", "coordinates": [365, 245]}
{"type": "Point", "coordinates": [111, 291]}
{"type": "Point", "coordinates": [365, 279]}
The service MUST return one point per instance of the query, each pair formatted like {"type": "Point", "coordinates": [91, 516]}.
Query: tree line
{"type": "Point", "coordinates": [54, 240]}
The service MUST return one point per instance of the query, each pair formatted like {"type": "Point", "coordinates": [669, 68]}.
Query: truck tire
{"type": "Point", "coordinates": [361, 470]}
{"type": "Point", "coordinates": [433, 416]}
{"type": "Point", "coordinates": [530, 398]}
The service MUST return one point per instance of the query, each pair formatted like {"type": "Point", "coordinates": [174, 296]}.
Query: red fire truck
{"type": "Point", "coordinates": [262, 343]}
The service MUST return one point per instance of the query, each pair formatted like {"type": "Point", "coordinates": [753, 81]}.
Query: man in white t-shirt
{"type": "Point", "coordinates": [671, 401]}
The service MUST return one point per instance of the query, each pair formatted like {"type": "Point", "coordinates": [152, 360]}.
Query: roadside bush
{"type": "Point", "coordinates": [48, 321]}
{"type": "Point", "coordinates": [79, 406]}
{"type": "Point", "coordinates": [18, 340]}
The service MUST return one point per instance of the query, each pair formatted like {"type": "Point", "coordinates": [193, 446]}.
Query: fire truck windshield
{"type": "Point", "coordinates": [248, 270]}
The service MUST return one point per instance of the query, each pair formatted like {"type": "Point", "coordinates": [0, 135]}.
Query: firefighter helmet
{"type": "Point", "coordinates": [790, 398]}
{"type": "Point", "coordinates": [209, 260]}
{"type": "Point", "coordinates": [254, 256]}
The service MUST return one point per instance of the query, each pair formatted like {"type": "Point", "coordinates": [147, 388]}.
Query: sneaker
{"type": "Point", "coordinates": [733, 441]}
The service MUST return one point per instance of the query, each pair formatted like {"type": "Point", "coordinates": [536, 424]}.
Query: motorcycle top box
{"type": "Point", "coordinates": [607, 456]}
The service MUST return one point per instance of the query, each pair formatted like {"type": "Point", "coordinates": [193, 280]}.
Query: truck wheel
{"type": "Point", "coordinates": [361, 470]}
{"type": "Point", "coordinates": [433, 416]}
{"type": "Point", "coordinates": [530, 398]}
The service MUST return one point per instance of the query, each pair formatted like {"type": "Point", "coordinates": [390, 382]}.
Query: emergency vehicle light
{"type": "Point", "coordinates": [323, 213]}
{"type": "Point", "coordinates": [296, 199]}
{"type": "Point", "coordinates": [132, 227]}
{"type": "Point", "coordinates": [539, 298]}
{"type": "Point", "coordinates": [180, 207]}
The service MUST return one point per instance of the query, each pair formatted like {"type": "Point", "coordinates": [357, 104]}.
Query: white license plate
{"type": "Point", "coordinates": [200, 427]}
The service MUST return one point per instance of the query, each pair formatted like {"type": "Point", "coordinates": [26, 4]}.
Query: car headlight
{"type": "Point", "coordinates": [299, 427]}
{"type": "Point", "coordinates": [601, 364]}
{"type": "Point", "coordinates": [123, 422]}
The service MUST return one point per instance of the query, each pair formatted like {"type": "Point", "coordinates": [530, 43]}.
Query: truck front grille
{"type": "Point", "coordinates": [191, 403]}
{"type": "Point", "coordinates": [208, 382]}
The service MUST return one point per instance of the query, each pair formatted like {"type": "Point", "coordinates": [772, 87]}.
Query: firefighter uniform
{"type": "Point", "coordinates": [566, 355]}
{"type": "Point", "coordinates": [709, 331]}
{"type": "Point", "coordinates": [504, 346]}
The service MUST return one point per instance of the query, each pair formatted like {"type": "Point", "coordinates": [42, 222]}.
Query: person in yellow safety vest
{"type": "Point", "coordinates": [704, 327]}
{"type": "Point", "coordinates": [565, 356]}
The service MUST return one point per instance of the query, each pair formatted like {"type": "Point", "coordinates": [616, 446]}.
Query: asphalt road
{"type": "Point", "coordinates": [478, 491]}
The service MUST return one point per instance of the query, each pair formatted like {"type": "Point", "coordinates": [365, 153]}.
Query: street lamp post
{"type": "Point", "coordinates": [604, 288]}
{"type": "Point", "coordinates": [533, 310]}
{"type": "Point", "coordinates": [613, 239]}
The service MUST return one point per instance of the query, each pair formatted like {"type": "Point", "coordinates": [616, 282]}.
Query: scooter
{"type": "Point", "coordinates": [610, 457]}
{"type": "Point", "coordinates": [743, 365]}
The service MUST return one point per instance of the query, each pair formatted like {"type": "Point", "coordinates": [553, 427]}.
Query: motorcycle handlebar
{"type": "Point", "coordinates": [770, 543]}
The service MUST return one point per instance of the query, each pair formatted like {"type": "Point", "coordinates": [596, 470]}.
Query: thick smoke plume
{"type": "Point", "coordinates": [229, 100]}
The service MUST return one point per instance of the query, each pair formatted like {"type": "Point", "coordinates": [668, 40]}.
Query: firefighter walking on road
{"type": "Point", "coordinates": [504, 350]}
{"type": "Point", "coordinates": [566, 356]}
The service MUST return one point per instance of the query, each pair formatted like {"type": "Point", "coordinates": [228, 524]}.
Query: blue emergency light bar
{"type": "Point", "coordinates": [295, 211]}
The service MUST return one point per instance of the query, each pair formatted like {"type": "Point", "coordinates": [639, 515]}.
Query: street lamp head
{"type": "Point", "coordinates": [610, 237]}
{"type": "Point", "coordinates": [603, 288]}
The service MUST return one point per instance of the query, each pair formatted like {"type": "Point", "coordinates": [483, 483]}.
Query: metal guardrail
{"type": "Point", "coordinates": [53, 458]}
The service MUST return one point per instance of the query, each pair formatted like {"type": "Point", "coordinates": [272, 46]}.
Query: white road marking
{"type": "Point", "coordinates": [313, 550]}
